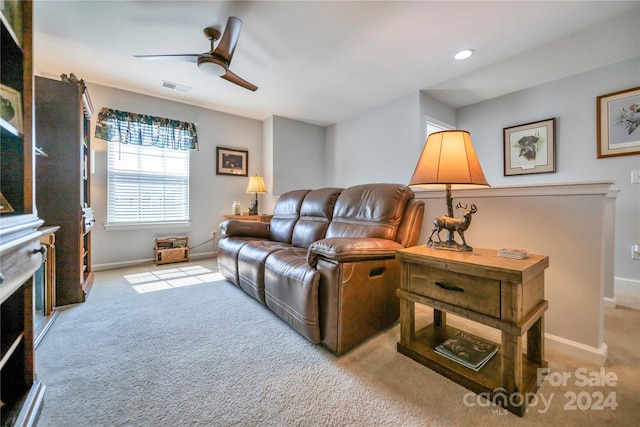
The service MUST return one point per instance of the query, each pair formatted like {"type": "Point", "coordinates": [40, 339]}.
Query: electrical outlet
{"type": "Point", "coordinates": [635, 176]}
{"type": "Point", "coordinates": [635, 252]}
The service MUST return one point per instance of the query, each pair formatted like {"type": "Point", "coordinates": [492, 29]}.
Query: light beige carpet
{"type": "Point", "coordinates": [177, 345]}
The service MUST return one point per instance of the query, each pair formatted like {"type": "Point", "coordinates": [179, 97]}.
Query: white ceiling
{"type": "Point", "coordinates": [322, 61]}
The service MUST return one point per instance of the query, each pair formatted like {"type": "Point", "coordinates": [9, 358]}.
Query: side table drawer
{"type": "Point", "coordinates": [475, 293]}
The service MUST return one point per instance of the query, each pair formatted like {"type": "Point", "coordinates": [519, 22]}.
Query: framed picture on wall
{"type": "Point", "coordinates": [232, 161]}
{"type": "Point", "coordinates": [618, 123]}
{"type": "Point", "coordinates": [530, 148]}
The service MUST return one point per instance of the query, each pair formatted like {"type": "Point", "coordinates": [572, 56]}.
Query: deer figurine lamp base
{"type": "Point", "coordinates": [449, 245]}
{"type": "Point", "coordinates": [452, 225]}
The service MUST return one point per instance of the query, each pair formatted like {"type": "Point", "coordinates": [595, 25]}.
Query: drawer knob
{"type": "Point", "coordinates": [453, 288]}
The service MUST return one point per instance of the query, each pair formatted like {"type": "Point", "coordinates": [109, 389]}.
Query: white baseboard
{"type": "Point", "coordinates": [124, 264]}
{"type": "Point", "coordinates": [121, 264]}
{"type": "Point", "coordinates": [576, 349]}
{"type": "Point", "coordinates": [203, 255]}
{"type": "Point", "coordinates": [627, 292]}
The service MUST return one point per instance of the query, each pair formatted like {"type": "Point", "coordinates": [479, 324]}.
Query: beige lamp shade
{"type": "Point", "coordinates": [448, 157]}
{"type": "Point", "coordinates": [256, 185]}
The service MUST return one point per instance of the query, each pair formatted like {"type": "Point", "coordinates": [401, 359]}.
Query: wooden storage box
{"type": "Point", "coordinates": [172, 249]}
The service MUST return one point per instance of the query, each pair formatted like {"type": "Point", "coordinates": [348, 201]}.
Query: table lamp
{"type": "Point", "coordinates": [256, 185]}
{"type": "Point", "coordinates": [448, 159]}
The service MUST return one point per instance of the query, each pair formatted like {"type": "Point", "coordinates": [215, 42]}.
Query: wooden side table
{"type": "Point", "coordinates": [506, 294]}
{"type": "Point", "coordinates": [259, 217]}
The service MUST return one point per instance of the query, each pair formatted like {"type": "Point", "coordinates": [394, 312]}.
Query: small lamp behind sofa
{"type": "Point", "coordinates": [256, 185]}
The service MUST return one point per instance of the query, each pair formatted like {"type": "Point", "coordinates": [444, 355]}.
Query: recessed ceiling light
{"type": "Point", "coordinates": [464, 54]}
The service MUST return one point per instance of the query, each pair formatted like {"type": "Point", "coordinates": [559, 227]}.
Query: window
{"type": "Point", "coordinates": [433, 127]}
{"type": "Point", "coordinates": [147, 184]}
{"type": "Point", "coordinates": [148, 167]}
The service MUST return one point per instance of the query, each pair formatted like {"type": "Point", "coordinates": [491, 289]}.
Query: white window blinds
{"type": "Point", "coordinates": [147, 184]}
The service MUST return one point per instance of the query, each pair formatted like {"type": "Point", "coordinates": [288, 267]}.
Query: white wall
{"type": "Point", "coordinates": [435, 111]}
{"type": "Point", "coordinates": [381, 145]}
{"type": "Point", "coordinates": [298, 155]}
{"type": "Point", "coordinates": [211, 195]}
{"type": "Point", "coordinates": [572, 101]}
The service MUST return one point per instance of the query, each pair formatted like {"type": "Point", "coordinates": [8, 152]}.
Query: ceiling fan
{"type": "Point", "coordinates": [215, 62]}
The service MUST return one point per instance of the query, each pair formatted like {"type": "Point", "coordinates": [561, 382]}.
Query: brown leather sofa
{"type": "Point", "coordinates": [326, 263]}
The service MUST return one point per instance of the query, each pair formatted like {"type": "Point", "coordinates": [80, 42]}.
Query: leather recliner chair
{"type": "Point", "coordinates": [326, 263]}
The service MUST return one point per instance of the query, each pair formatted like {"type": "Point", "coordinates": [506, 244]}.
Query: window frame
{"type": "Point", "coordinates": [145, 173]}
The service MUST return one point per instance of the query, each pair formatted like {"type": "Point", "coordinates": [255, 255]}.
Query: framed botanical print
{"type": "Point", "coordinates": [530, 148]}
{"type": "Point", "coordinates": [232, 161]}
{"type": "Point", "coordinates": [618, 123]}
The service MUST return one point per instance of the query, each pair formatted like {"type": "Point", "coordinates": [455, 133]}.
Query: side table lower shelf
{"type": "Point", "coordinates": [489, 380]}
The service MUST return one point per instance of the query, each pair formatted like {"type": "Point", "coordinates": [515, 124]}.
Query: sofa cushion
{"type": "Point", "coordinates": [285, 215]}
{"type": "Point", "coordinates": [291, 291]}
{"type": "Point", "coordinates": [315, 214]}
{"type": "Point", "coordinates": [251, 259]}
{"type": "Point", "coordinates": [228, 250]}
{"type": "Point", "coordinates": [370, 210]}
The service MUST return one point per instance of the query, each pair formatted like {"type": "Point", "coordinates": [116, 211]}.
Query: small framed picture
{"type": "Point", "coordinates": [11, 107]}
{"type": "Point", "coordinates": [530, 148]}
{"type": "Point", "coordinates": [618, 123]}
{"type": "Point", "coordinates": [232, 161]}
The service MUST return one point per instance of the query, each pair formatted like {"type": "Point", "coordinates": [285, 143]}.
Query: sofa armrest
{"type": "Point", "coordinates": [234, 227]}
{"type": "Point", "coordinates": [346, 249]}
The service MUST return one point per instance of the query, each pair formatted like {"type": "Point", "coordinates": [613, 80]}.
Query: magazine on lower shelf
{"type": "Point", "coordinates": [468, 350]}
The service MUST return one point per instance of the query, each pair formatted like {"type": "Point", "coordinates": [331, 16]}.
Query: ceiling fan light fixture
{"type": "Point", "coordinates": [216, 61]}
{"type": "Point", "coordinates": [464, 54]}
{"type": "Point", "coordinates": [212, 67]}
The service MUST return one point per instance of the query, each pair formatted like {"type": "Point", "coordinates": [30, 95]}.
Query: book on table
{"type": "Point", "coordinates": [467, 349]}
{"type": "Point", "coordinates": [513, 253]}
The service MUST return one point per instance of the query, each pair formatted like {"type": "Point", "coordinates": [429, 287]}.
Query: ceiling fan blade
{"type": "Point", "coordinates": [229, 39]}
{"type": "Point", "coordinates": [239, 81]}
{"type": "Point", "coordinates": [186, 57]}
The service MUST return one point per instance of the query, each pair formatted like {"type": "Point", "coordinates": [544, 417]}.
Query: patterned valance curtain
{"type": "Point", "coordinates": [140, 129]}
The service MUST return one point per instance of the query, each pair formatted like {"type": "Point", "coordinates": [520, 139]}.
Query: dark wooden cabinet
{"type": "Point", "coordinates": [21, 395]}
{"type": "Point", "coordinates": [63, 186]}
